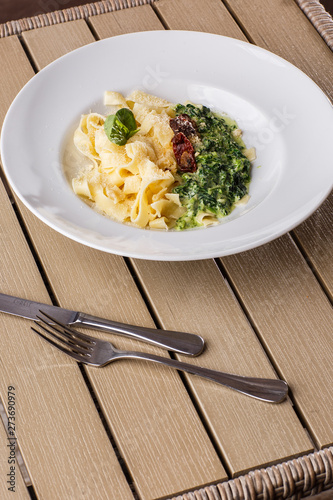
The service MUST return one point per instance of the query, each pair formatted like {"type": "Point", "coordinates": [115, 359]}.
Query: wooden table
{"type": "Point", "coordinates": [133, 429]}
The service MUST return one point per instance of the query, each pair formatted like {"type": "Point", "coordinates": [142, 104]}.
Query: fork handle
{"type": "Point", "coordinates": [270, 390]}
{"type": "Point", "coordinates": [182, 342]}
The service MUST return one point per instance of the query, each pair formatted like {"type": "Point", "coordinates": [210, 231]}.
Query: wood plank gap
{"type": "Point", "coordinates": [4, 181]}
{"type": "Point", "coordinates": [248, 316]}
{"type": "Point", "coordinates": [119, 456]}
{"type": "Point", "coordinates": [238, 21]}
{"type": "Point", "coordinates": [18, 455]}
{"type": "Point", "coordinates": [160, 16]}
{"type": "Point", "coordinates": [242, 305]}
{"type": "Point", "coordinates": [28, 54]}
{"type": "Point", "coordinates": [92, 29]}
{"type": "Point", "coordinates": [311, 265]}
{"type": "Point", "coordinates": [32, 493]}
{"type": "Point", "coordinates": [143, 293]}
{"type": "Point", "coordinates": [34, 252]}
{"type": "Point", "coordinates": [188, 389]}
{"type": "Point", "coordinates": [14, 204]}
{"type": "Point", "coordinates": [203, 421]}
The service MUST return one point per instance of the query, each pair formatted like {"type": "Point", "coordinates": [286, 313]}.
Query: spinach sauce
{"type": "Point", "coordinates": [223, 172]}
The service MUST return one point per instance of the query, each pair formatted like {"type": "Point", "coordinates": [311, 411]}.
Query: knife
{"type": "Point", "coordinates": [182, 342]}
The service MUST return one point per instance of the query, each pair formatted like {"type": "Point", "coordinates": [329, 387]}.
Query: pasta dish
{"type": "Point", "coordinates": [157, 165]}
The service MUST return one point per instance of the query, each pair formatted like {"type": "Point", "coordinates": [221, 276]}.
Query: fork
{"type": "Point", "coordinates": [91, 351]}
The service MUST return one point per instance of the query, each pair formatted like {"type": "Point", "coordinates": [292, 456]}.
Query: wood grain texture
{"type": "Point", "coordinates": [79, 31]}
{"type": "Point", "coordinates": [196, 15]}
{"type": "Point", "coordinates": [281, 27]}
{"type": "Point", "coordinates": [146, 407]}
{"type": "Point", "coordinates": [72, 461]}
{"type": "Point", "coordinates": [12, 54]}
{"type": "Point", "coordinates": [316, 238]}
{"type": "Point", "coordinates": [195, 297]}
{"type": "Point", "coordinates": [295, 322]}
{"type": "Point", "coordinates": [126, 21]}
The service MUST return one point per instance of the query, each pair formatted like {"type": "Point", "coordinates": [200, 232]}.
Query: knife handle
{"type": "Point", "coordinates": [181, 342]}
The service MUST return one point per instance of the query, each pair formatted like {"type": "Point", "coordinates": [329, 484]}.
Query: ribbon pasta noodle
{"type": "Point", "coordinates": [131, 183]}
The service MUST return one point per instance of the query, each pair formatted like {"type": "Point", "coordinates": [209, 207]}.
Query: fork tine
{"type": "Point", "coordinates": [63, 338]}
{"type": "Point", "coordinates": [72, 354]}
{"type": "Point", "coordinates": [64, 332]}
{"type": "Point", "coordinates": [72, 332]}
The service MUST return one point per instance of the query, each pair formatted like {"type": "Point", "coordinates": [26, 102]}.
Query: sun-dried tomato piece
{"type": "Point", "coordinates": [183, 123]}
{"type": "Point", "coordinates": [184, 153]}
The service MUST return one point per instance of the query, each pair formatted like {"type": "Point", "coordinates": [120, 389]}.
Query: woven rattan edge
{"type": "Point", "coordinates": [292, 480]}
{"type": "Point", "coordinates": [65, 15]}
{"type": "Point", "coordinates": [320, 19]}
{"type": "Point", "coordinates": [313, 9]}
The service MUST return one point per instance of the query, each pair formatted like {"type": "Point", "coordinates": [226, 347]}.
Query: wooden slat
{"type": "Point", "coordinates": [50, 394]}
{"type": "Point", "coordinates": [195, 15]}
{"type": "Point", "coordinates": [316, 238]}
{"type": "Point", "coordinates": [12, 53]}
{"type": "Point", "coordinates": [282, 28]}
{"type": "Point", "coordinates": [126, 21]}
{"type": "Point", "coordinates": [79, 31]}
{"type": "Point", "coordinates": [295, 322]}
{"type": "Point", "coordinates": [146, 407]}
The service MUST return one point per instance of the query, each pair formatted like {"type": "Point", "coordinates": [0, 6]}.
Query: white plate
{"type": "Point", "coordinates": [281, 111]}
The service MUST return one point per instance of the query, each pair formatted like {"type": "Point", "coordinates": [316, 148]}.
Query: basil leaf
{"type": "Point", "coordinates": [126, 117]}
{"type": "Point", "coordinates": [115, 130]}
{"type": "Point", "coordinates": [120, 127]}
{"type": "Point", "coordinates": [108, 124]}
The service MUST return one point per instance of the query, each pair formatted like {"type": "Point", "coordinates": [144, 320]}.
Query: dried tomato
{"type": "Point", "coordinates": [183, 123]}
{"type": "Point", "coordinates": [184, 153]}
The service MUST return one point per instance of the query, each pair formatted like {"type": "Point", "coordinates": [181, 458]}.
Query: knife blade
{"type": "Point", "coordinates": [181, 342]}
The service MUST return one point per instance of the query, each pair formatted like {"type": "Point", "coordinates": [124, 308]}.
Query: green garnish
{"type": "Point", "coordinates": [120, 127]}
{"type": "Point", "coordinates": [223, 171]}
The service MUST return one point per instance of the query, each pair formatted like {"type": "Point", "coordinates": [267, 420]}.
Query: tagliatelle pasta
{"type": "Point", "coordinates": [131, 183]}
